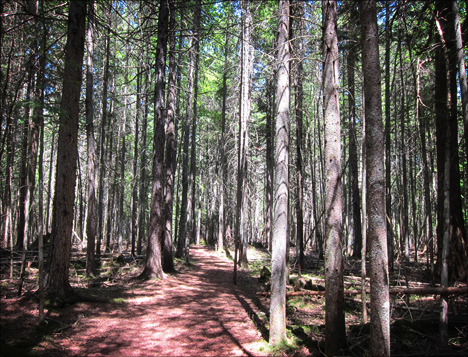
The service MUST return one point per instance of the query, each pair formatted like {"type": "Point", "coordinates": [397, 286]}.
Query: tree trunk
{"type": "Point", "coordinates": [134, 208]}
{"type": "Point", "coordinates": [353, 166]}
{"type": "Point", "coordinates": [380, 302]}
{"type": "Point", "coordinates": [269, 164]}
{"type": "Point", "coordinates": [458, 266]}
{"type": "Point", "coordinates": [388, 164]}
{"type": "Point", "coordinates": [458, 240]}
{"type": "Point", "coordinates": [40, 199]}
{"type": "Point", "coordinates": [299, 92]}
{"type": "Point", "coordinates": [181, 243]}
{"type": "Point", "coordinates": [57, 282]}
{"type": "Point", "coordinates": [193, 151]}
{"type": "Point", "coordinates": [403, 150]}
{"type": "Point", "coordinates": [461, 68]}
{"type": "Point", "coordinates": [49, 183]}
{"type": "Point", "coordinates": [171, 150]}
{"type": "Point", "coordinates": [364, 218]}
{"type": "Point", "coordinates": [427, 192]}
{"type": "Point", "coordinates": [153, 268]}
{"type": "Point", "coordinates": [24, 194]}
{"type": "Point", "coordinates": [335, 334]}
{"type": "Point", "coordinates": [223, 174]}
{"type": "Point", "coordinates": [108, 229]}
{"type": "Point", "coordinates": [102, 145]}
{"type": "Point", "coordinates": [281, 185]}
{"type": "Point", "coordinates": [91, 217]}
{"type": "Point", "coordinates": [244, 118]}
{"type": "Point", "coordinates": [143, 183]}
{"type": "Point", "coordinates": [123, 150]}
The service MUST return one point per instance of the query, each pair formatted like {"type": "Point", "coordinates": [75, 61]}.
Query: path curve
{"type": "Point", "coordinates": [196, 313]}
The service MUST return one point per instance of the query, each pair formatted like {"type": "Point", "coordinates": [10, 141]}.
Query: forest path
{"type": "Point", "coordinates": [195, 313]}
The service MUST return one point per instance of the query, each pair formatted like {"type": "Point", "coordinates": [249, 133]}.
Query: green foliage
{"type": "Point", "coordinates": [118, 301]}
{"type": "Point", "coordinates": [285, 347]}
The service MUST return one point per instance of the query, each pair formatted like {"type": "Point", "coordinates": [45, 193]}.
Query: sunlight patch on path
{"type": "Point", "coordinates": [195, 313]}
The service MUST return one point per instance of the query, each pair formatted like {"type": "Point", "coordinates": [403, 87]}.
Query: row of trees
{"type": "Point", "coordinates": [192, 91]}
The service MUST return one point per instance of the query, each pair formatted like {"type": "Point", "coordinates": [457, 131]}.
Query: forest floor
{"type": "Point", "coordinates": [199, 312]}
{"type": "Point", "coordinates": [195, 312]}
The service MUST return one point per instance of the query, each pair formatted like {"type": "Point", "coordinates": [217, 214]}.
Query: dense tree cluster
{"type": "Point", "coordinates": [149, 126]}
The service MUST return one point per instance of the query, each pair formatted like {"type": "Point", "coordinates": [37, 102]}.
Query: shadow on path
{"type": "Point", "coordinates": [195, 313]}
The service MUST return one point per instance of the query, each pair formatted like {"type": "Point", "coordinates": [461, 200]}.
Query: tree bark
{"type": "Point", "coordinates": [458, 266]}
{"type": "Point", "coordinates": [153, 267]}
{"type": "Point", "coordinates": [168, 263]}
{"type": "Point", "coordinates": [427, 192]}
{"type": "Point", "coordinates": [299, 92]}
{"type": "Point", "coordinates": [353, 166]}
{"type": "Point", "coordinates": [243, 145]}
{"type": "Point", "coordinates": [335, 334]}
{"type": "Point", "coordinates": [461, 68]}
{"type": "Point", "coordinates": [376, 231]}
{"type": "Point", "coordinates": [269, 164]}
{"type": "Point", "coordinates": [223, 174]}
{"type": "Point", "coordinates": [404, 176]}
{"type": "Point", "coordinates": [57, 282]}
{"type": "Point", "coordinates": [185, 207]}
{"type": "Point", "coordinates": [40, 120]}
{"type": "Point", "coordinates": [143, 183]}
{"type": "Point", "coordinates": [102, 145]}
{"type": "Point", "coordinates": [138, 106]}
{"type": "Point", "coordinates": [281, 184]}
{"type": "Point", "coordinates": [388, 164]}
{"type": "Point", "coordinates": [123, 150]}
{"type": "Point", "coordinates": [24, 191]}
{"type": "Point", "coordinates": [91, 216]}
{"type": "Point", "coordinates": [193, 152]}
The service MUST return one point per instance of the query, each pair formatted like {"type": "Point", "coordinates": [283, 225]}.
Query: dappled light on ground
{"type": "Point", "coordinates": [196, 313]}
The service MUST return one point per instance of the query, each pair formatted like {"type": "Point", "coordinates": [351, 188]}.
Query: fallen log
{"type": "Point", "coordinates": [430, 291]}
{"type": "Point", "coordinates": [393, 291]}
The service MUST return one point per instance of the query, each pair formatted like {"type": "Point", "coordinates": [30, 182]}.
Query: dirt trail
{"type": "Point", "coordinates": [196, 313]}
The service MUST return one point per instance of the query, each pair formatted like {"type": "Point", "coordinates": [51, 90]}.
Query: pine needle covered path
{"type": "Point", "coordinates": [195, 313]}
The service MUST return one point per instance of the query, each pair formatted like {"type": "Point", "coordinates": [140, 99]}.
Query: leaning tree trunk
{"type": "Point", "coordinates": [376, 231]}
{"type": "Point", "coordinates": [57, 282]}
